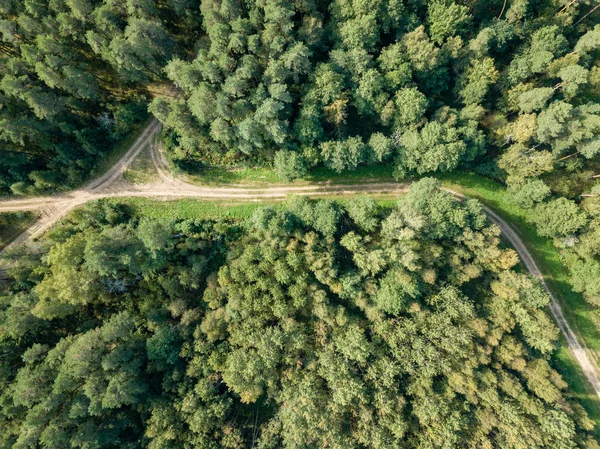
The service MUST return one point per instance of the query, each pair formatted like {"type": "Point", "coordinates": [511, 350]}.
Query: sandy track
{"type": "Point", "coordinates": [111, 185]}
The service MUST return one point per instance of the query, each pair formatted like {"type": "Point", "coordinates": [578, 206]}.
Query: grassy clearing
{"type": "Point", "coordinates": [141, 170]}
{"type": "Point", "coordinates": [362, 174]}
{"type": "Point", "coordinates": [12, 224]}
{"type": "Point", "coordinates": [224, 175]}
{"type": "Point", "coordinates": [211, 210]}
{"type": "Point", "coordinates": [190, 208]}
{"type": "Point", "coordinates": [266, 176]}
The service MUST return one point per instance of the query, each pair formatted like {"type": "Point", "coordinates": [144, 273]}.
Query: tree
{"type": "Point", "coordinates": [289, 165]}
{"type": "Point", "coordinates": [476, 81]}
{"type": "Point", "coordinates": [364, 212]}
{"type": "Point", "coordinates": [410, 107]}
{"type": "Point", "coordinates": [535, 99]}
{"type": "Point", "coordinates": [344, 154]}
{"type": "Point", "coordinates": [315, 308]}
{"type": "Point", "coordinates": [445, 217]}
{"type": "Point", "coordinates": [381, 147]}
{"type": "Point", "coordinates": [530, 193]}
{"type": "Point", "coordinates": [563, 126]}
{"type": "Point", "coordinates": [585, 279]}
{"type": "Point", "coordinates": [70, 71]}
{"type": "Point", "coordinates": [558, 217]}
{"type": "Point", "coordinates": [437, 146]}
{"type": "Point", "coordinates": [589, 41]}
{"type": "Point", "coordinates": [395, 66]}
{"type": "Point", "coordinates": [521, 162]}
{"type": "Point", "coordinates": [446, 19]}
{"type": "Point", "coordinates": [546, 43]}
{"type": "Point", "coordinates": [572, 77]}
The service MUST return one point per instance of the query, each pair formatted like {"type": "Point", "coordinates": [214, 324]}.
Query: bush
{"type": "Point", "coordinates": [289, 165]}
{"type": "Point", "coordinates": [530, 193]}
{"type": "Point", "coordinates": [381, 147]}
{"type": "Point", "coordinates": [558, 218]}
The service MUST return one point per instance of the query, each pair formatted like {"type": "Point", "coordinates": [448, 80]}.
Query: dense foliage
{"type": "Point", "coordinates": [427, 86]}
{"type": "Point", "coordinates": [508, 89]}
{"type": "Point", "coordinates": [71, 81]}
{"type": "Point", "coordinates": [318, 325]}
{"type": "Point", "coordinates": [309, 326]}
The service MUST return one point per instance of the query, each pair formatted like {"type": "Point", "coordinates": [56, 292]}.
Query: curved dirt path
{"type": "Point", "coordinates": [111, 185]}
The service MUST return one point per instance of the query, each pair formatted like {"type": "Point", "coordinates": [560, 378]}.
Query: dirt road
{"type": "Point", "coordinates": [111, 184]}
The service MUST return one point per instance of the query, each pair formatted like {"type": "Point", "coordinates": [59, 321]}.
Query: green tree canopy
{"type": "Point", "coordinates": [275, 331]}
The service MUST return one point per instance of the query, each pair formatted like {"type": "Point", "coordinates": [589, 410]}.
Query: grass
{"type": "Point", "coordinates": [141, 170]}
{"type": "Point", "coordinates": [211, 210]}
{"type": "Point", "coordinates": [190, 208]}
{"type": "Point", "coordinates": [578, 384]}
{"type": "Point", "coordinates": [12, 224]}
{"type": "Point", "coordinates": [224, 175]}
{"type": "Point", "coordinates": [362, 174]}
{"type": "Point", "coordinates": [266, 176]}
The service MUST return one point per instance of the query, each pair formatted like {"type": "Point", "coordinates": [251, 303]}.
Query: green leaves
{"type": "Point", "coordinates": [410, 107]}
{"type": "Point", "coordinates": [434, 147]}
{"type": "Point", "coordinates": [585, 279]}
{"type": "Point", "coordinates": [546, 44]}
{"type": "Point", "coordinates": [344, 155]}
{"type": "Point", "coordinates": [535, 99]}
{"type": "Point", "coordinates": [446, 19]}
{"type": "Point", "coordinates": [559, 217]}
{"type": "Point", "coordinates": [564, 126]}
{"type": "Point", "coordinates": [289, 165]}
{"type": "Point", "coordinates": [364, 211]}
{"type": "Point", "coordinates": [479, 77]}
{"type": "Point", "coordinates": [312, 311]}
{"type": "Point", "coordinates": [530, 193]}
{"type": "Point", "coordinates": [313, 324]}
{"type": "Point", "coordinates": [70, 67]}
{"type": "Point", "coordinates": [439, 214]}
{"type": "Point", "coordinates": [521, 162]}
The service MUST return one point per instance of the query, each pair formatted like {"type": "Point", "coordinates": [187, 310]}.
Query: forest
{"type": "Point", "coordinates": [310, 325]}
{"type": "Point", "coordinates": [317, 324]}
{"type": "Point", "coordinates": [75, 79]}
{"type": "Point", "coordinates": [426, 86]}
{"type": "Point", "coordinates": [508, 90]}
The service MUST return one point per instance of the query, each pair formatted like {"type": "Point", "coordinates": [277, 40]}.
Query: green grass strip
{"type": "Point", "coordinates": [267, 176]}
